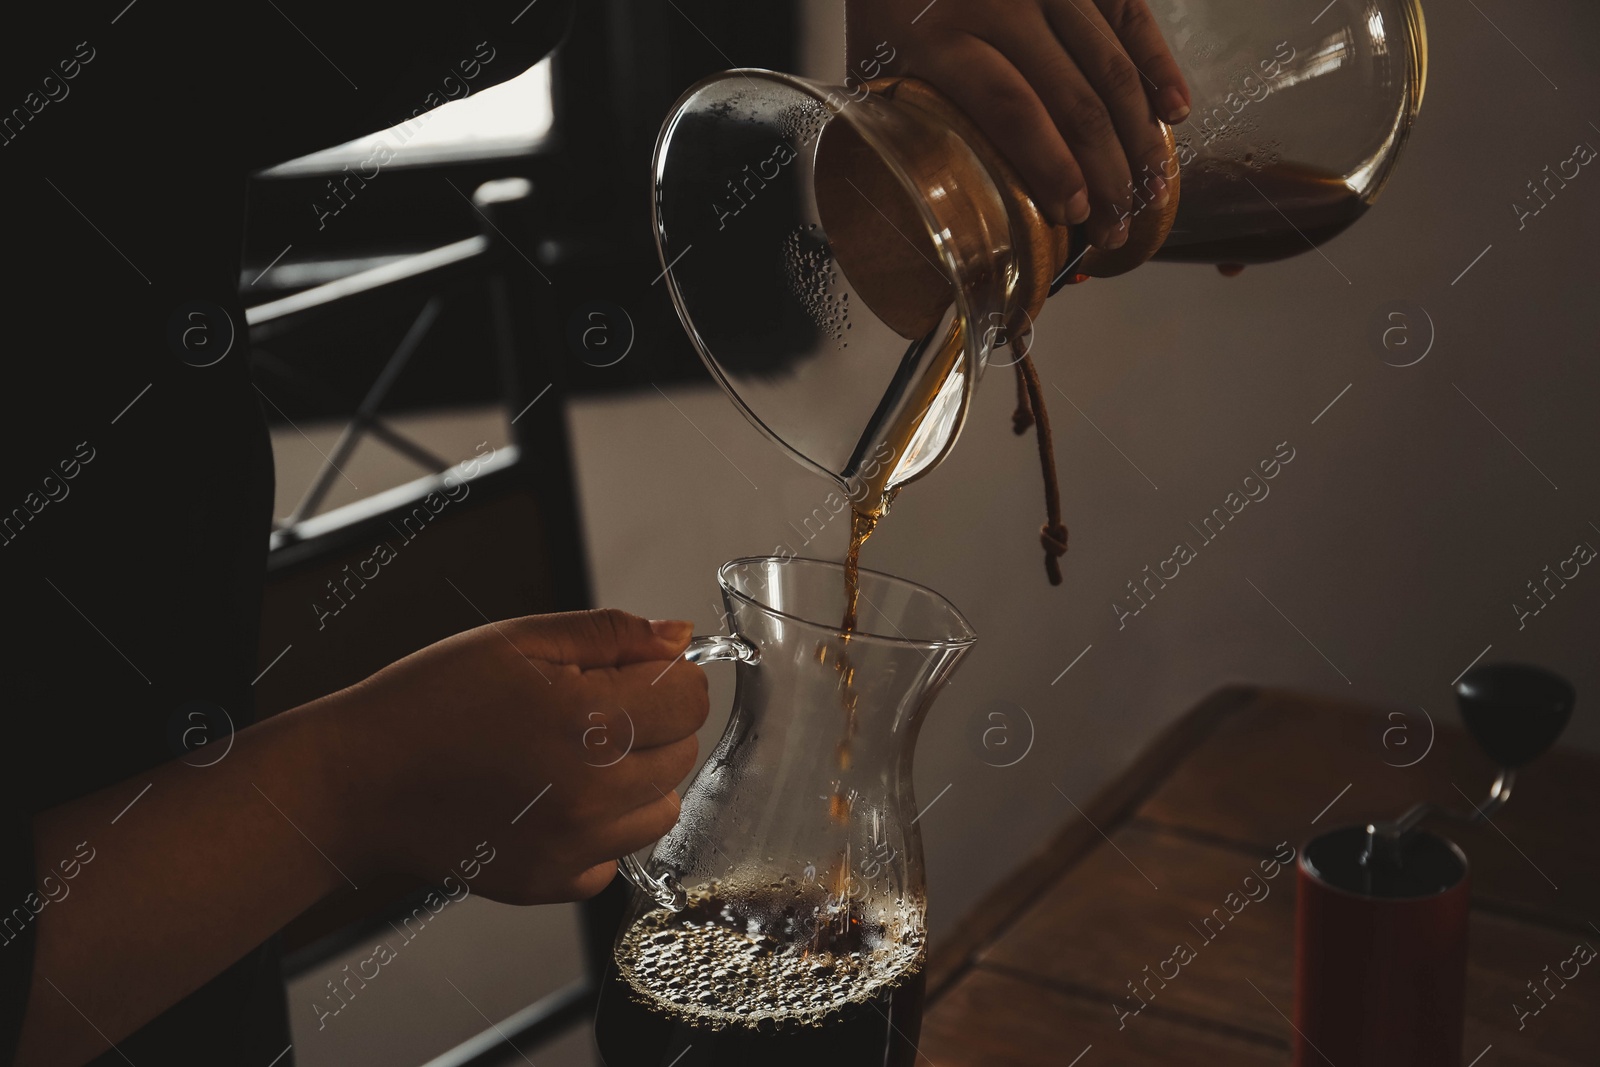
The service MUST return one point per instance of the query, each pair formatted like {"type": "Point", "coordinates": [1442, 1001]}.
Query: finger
{"type": "Point", "coordinates": [994, 94]}
{"type": "Point", "coordinates": [1164, 83]}
{"type": "Point", "coordinates": [1120, 87]}
{"type": "Point", "coordinates": [642, 777]}
{"type": "Point", "coordinates": [662, 769]}
{"type": "Point", "coordinates": [627, 834]}
{"type": "Point", "coordinates": [664, 702]}
{"type": "Point", "coordinates": [1081, 113]}
{"type": "Point", "coordinates": [604, 637]}
{"type": "Point", "coordinates": [592, 881]}
{"type": "Point", "coordinates": [630, 778]}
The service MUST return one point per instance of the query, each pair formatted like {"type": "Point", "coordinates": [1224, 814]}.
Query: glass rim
{"type": "Point", "coordinates": [963, 640]}
{"type": "Point", "coordinates": [819, 92]}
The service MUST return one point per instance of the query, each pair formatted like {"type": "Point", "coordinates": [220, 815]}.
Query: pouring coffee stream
{"type": "Point", "coordinates": [863, 206]}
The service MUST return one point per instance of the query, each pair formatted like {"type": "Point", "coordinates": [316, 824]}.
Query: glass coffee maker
{"type": "Point", "coordinates": [849, 260]}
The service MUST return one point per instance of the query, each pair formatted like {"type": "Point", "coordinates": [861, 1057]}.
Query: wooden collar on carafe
{"type": "Point", "coordinates": [1042, 250]}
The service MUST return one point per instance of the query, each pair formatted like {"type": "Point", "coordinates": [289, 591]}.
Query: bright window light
{"type": "Point", "coordinates": [511, 117]}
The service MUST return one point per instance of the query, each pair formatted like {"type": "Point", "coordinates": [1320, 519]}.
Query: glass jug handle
{"type": "Point", "coordinates": [720, 648]}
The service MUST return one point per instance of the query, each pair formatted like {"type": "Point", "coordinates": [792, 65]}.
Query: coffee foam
{"type": "Point", "coordinates": [722, 962]}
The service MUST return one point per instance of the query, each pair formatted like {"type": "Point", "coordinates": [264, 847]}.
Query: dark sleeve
{"type": "Point", "coordinates": [16, 938]}
{"type": "Point", "coordinates": [330, 72]}
{"type": "Point", "coordinates": [126, 132]}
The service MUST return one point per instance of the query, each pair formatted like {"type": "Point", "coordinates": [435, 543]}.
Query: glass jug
{"type": "Point", "coordinates": [783, 919]}
{"type": "Point", "coordinates": [849, 259]}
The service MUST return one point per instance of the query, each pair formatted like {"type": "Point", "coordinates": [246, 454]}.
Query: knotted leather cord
{"type": "Point", "coordinates": [1022, 418]}
{"type": "Point", "coordinates": [1031, 411]}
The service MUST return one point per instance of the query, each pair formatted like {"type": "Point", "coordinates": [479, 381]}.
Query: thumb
{"type": "Point", "coordinates": [604, 637]}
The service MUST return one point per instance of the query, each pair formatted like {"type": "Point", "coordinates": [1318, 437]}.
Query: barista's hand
{"type": "Point", "coordinates": [1068, 90]}
{"type": "Point", "coordinates": [461, 736]}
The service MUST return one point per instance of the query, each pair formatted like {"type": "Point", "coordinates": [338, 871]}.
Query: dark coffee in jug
{"type": "Point", "coordinates": [740, 978]}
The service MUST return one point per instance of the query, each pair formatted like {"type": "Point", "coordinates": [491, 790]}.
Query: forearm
{"type": "Point", "coordinates": [189, 877]}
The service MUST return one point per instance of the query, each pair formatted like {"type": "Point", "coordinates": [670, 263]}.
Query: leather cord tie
{"type": "Point", "coordinates": [1022, 418]}
{"type": "Point", "coordinates": [1030, 412]}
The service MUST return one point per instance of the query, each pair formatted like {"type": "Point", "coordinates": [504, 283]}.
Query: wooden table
{"type": "Point", "coordinates": [1032, 975]}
